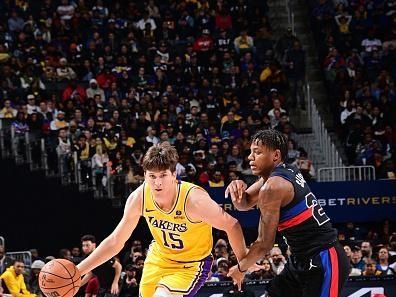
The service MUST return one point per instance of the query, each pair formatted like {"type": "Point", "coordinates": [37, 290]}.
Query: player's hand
{"type": "Point", "coordinates": [237, 276]}
{"type": "Point", "coordinates": [255, 267]}
{"type": "Point", "coordinates": [114, 289]}
{"type": "Point", "coordinates": [236, 189]}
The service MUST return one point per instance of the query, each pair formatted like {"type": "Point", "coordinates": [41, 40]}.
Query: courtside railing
{"type": "Point", "coordinates": [346, 173]}
{"type": "Point", "coordinates": [331, 157]}
{"type": "Point", "coordinates": [23, 256]}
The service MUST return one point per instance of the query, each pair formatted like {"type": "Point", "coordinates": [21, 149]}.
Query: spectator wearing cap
{"type": "Point", "coordinates": [31, 104]}
{"type": "Point", "coordinates": [357, 259]}
{"type": "Point", "coordinates": [33, 282]}
{"type": "Point", "coordinates": [64, 72]}
{"type": "Point", "coordinates": [203, 45]}
{"type": "Point", "coordinates": [59, 122]}
{"type": "Point", "coordinates": [94, 89]}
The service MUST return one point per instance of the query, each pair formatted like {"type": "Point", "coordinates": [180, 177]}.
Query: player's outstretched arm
{"type": "Point", "coordinates": [200, 207]}
{"type": "Point", "coordinates": [113, 244]}
{"type": "Point", "coordinates": [242, 197]}
{"type": "Point", "coordinates": [271, 197]}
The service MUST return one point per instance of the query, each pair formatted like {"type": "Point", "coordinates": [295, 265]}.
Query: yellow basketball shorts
{"type": "Point", "coordinates": [184, 278]}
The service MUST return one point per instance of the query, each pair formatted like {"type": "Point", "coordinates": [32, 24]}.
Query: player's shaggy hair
{"type": "Point", "coordinates": [272, 139]}
{"type": "Point", "coordinates": [160, 156]}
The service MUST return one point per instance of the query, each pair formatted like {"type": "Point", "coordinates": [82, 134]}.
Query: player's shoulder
{"type": "Point", "coordinates": [136, 197]}
{"type": "Point", "coordinates": [277, 184]}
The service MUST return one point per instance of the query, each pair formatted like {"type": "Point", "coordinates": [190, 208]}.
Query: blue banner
{"type": "Point", "coordinates": [342, 201]}
{"type": "Point", "coordinates": [355, 287]}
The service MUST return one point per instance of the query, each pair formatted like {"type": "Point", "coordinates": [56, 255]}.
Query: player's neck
{"type": "Point", "coordinates": [163, 199]}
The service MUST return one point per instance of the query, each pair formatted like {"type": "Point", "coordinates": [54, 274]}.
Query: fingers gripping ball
{"type": "Point", "coordinates": [59, 278]}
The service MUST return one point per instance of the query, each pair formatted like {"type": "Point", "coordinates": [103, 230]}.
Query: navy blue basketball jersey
{"type": "Point", "coordinates": [303, 222]}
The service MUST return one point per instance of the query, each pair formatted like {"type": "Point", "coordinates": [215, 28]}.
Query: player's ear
{"type": "Point", "coordinates": [277, 155]}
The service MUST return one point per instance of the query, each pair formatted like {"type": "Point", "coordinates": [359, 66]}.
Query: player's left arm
{"type": "Point", "coordinates": [200, 207]}
{"type": "Point", "coordinates": [117, 274]}
{"type": "Point", "coordinates": [272, 196]}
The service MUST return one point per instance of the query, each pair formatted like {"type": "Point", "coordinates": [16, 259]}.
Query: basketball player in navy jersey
{"type": "Point", "coordinates": [318, 265]}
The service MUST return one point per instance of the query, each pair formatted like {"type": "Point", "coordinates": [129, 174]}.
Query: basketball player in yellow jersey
{"type": "Point", "coordinates": [180, 216]}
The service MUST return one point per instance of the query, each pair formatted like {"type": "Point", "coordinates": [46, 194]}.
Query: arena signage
{"type": "Point", "coordinates": [342, 201]}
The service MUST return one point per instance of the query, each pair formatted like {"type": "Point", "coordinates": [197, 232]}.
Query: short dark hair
{"type": "Point", "coordinates": [88, 237]}
{"type": "Point", "coordinates": [63, 253]}
{"type": "Point", "coordinates": [161, 156]}
{"type": "Point", "coordinates": [272, 139]}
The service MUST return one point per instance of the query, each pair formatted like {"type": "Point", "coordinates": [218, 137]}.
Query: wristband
{"type": "Point", "coordinates": [240, 270]}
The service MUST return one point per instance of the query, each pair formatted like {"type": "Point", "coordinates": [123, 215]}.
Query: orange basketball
{"type": "Point", "coordinates": [59, 278]}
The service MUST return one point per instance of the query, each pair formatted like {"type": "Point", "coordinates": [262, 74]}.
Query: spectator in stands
{"type": "Point", "coordinates": [33, 282]}
{"type": "Point", "coordinates": [264, 271]}
{"type": "Point", "coordinates": [108, 273]}
{"type": "Point", "coordinates": [93, 287]}
{"type": "Point", "coordinates": [277, 260]}
{"type": "Point", "coordinates": [295, 71]}
{"type": "Point", "coordinates": [216, 180]}
{"type": "Point", "coordinates": [13, 281]}
{"type": "Point", "coordinates": [305, 165]}
{"type": "Point", "coordinates": [94, 89]}
{"type": "Point", "coordinates": [64, 72]}
{"type": "Point", "coordinates": [130, 286]}
{"type": "Point", "coordinates": [65, 254]}
{"type": "Point", "coordinates": [8, 112]}
{"type": "Point", "coordinates": [5, 261]}
{"type": "Point", "coordinates": [367, 250]}
{"type": "Point", "coordinates": [357, 259]}
{"type": "Point", "coordinates": [371, 269]}
{"type": "Point", "coordinates": [244, 43]}
{"type": "Point", "coordinates": [60, 121]}
{"type": "Point", "coordinates": [348, 251]}
{"type": "Point", "coordinates": [76, 254]}
{"type": "Point", "coordinates": [383, 262]}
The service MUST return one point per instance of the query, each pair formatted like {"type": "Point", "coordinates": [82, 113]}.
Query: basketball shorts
{"type": "Point", "coordinates": [184, 278]}
{"type": "Point", "coordinates": [323, 275]}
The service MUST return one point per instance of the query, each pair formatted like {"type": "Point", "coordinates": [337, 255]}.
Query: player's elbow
{"type": "Point", "coordinates": [114, 243]}
{"type": "Point", "coordinates": [232, 225]}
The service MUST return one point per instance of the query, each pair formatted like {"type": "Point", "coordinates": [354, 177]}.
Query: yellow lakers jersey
{"type": "Point", "coordinates": [176, 236]}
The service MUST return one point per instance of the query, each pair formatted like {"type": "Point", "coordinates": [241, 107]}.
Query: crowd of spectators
{"type": "Point", "coordinates": [357, 48]}
{"type": "Point", "coordinates": [107, 79]}
{"type": "Point", "coordinates": [370, 247]}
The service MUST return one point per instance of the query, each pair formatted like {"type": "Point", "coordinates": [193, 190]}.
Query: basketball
{"type": "Point", "coordinates": [59, 278]}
